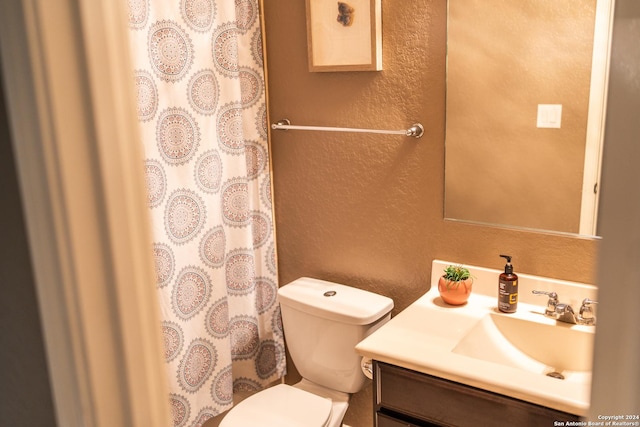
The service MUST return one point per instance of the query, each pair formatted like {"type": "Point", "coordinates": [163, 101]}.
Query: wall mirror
{"type": "Point", "coordinates": [526, 92]}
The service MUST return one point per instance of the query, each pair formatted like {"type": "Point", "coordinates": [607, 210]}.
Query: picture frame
{"type": "Point", "coordinates": [344, 35]}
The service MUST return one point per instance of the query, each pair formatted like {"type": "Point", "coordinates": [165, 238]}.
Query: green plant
{"type": "Point", "coordinates": [454, 274]}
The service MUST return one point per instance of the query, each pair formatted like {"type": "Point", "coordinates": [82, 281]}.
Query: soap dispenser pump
{"type": "Point", "coordinates": [508, 288]}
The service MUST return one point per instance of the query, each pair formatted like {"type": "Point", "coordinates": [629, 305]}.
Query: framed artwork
{"type": "Point", "coordinates": [344, 36]}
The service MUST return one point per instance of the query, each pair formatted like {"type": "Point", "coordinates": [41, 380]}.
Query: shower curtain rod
{"type": "Point", "coordinates": [416, 130]}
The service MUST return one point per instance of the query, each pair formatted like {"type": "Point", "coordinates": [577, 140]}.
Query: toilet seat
{"type": "Point", "coordinates": [280, 406]}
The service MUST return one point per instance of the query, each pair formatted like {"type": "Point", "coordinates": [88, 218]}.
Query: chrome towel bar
{"type": "Point", "coordinates": [416, 130]}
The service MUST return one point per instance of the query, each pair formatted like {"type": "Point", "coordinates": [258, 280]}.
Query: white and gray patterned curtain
{"type": "Point", "coordinates": [201, 105]}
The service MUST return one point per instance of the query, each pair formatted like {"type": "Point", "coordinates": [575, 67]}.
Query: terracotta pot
{"type": "Point", "coordinates": [455, 293]}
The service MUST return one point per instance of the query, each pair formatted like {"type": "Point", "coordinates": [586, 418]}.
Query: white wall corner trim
{"type": "Point", "coordinates": [70, 101]}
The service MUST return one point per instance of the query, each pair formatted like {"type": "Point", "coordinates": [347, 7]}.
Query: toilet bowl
{"type": "Point", "coordinates": [323, 321]}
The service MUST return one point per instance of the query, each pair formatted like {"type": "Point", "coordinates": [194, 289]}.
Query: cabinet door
{"type": "Point", "coordinates": [442, 402]}
{"type": "Point", "coordinates": [383, 420]}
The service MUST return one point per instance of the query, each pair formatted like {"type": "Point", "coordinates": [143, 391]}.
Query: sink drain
{"type": "Point", "coordinates": [557, 375]}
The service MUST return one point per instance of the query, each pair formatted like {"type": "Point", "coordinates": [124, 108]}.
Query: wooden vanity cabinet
{"type": "Point", "coordinates": [406, 398]}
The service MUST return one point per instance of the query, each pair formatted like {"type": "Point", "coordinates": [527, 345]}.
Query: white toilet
{"type": "Point", "coordinates": [322, 322]}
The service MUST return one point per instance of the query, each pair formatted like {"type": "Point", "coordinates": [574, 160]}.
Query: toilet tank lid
{"type": "Point", "coordinates": [334, 301]}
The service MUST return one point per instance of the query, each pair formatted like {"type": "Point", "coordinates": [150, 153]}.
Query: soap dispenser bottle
{"type": "Point", "coordinates": [508, 288]}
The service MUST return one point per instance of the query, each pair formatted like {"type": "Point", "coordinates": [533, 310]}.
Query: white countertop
{"type": "Point", "coordinates": [423, 336]}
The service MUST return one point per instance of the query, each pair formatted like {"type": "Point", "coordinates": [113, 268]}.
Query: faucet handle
{"type": "Point", "coordinates": [550, 294]}
{"type": "Point", "coordinates": [586, 315]}
{"type": "Point", "coordinates": [551, 304]}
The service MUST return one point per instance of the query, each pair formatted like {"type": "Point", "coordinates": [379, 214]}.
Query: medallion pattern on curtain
{"type": "Point", "coordinates": [201, 105]}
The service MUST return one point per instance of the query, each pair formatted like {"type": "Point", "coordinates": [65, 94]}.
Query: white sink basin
{"type": "Point", "coordinates": [475, 344]}
{"type": "Point", "coordinates": [558, 350]}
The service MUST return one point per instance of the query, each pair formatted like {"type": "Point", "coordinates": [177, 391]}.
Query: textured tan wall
{"type": "Point", "coordinates": [367, 210]}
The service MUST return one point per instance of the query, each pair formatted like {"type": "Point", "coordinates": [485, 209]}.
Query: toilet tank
{"type": "Point", "coordinates": [323, 321]}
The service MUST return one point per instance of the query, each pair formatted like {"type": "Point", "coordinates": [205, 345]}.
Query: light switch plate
{"type": "Point", "coordinates": [549, 116]}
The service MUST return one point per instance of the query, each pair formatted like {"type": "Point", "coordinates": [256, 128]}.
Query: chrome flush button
{"type": "Point", "coordinates": [329, 293]}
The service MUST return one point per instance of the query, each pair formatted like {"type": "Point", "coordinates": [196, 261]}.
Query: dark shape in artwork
{"type": "Point", "coordinates": [345, 14]}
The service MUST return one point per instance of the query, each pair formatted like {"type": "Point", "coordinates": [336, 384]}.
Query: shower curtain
{"type": "Point", "coordinates": [202, 110]}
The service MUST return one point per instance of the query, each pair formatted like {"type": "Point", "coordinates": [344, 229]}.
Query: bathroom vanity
{"type": "Point", "coordinates": [403, 397]}
{"type": "Point", "coordinates": [436, 364]}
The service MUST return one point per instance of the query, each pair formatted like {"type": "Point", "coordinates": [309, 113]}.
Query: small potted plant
{"type": "Point", "coordinates": [455, 285]}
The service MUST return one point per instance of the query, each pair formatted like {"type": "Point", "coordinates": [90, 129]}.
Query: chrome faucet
{"type": "Point", "coordinates": [565, 313]}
